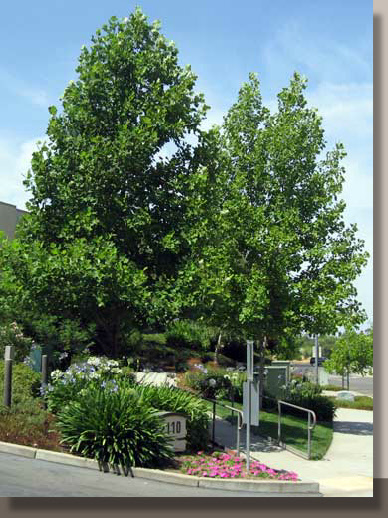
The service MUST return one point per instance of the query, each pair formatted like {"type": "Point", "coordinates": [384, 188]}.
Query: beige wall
{"type": "Point", "coordinates": [9, 216]}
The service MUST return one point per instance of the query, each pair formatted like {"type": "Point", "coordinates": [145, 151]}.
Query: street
{"type": "Point", "coordinates": [362, 384]}
{"type": "Point", "coordinates": [23, 477]}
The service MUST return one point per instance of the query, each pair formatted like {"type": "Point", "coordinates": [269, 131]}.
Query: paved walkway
{"type": "Point", "coordinates": [345, 471]}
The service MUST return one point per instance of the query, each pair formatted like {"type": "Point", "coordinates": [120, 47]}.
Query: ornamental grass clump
{"type": "Point", "coordinates": [112, 424]}
{"type": "Point", "coordinates": [224, 465]}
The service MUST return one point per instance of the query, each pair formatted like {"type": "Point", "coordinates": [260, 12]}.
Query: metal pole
{"type": "Point", "coordinates": [214, 423]}
{"type": "Point", "coordinates": [238, 434]}
{"type": "Point", "coordinates": [316, 360]}
{"type": "Point", "coordinates": [249, 384]}
{"type": "Point", "coordinates": [308, 437]}
{"type": "Point", "coordinates": [8, 383]}
{"type": "Point", "coordinates": [279, 417]}
{"type": "Point", "coordinates": [249, 426]}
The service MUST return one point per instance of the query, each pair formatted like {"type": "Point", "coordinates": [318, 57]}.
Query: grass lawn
{"type": "Point", "coordinates": [293, 429]}
{"type": "Point", "coordinates": [332, 387]}
{"type": "Point", "coordinates": [359, 403]}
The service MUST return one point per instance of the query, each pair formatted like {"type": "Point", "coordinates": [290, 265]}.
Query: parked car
{"type": "Point", "coordinates": [321, 360]}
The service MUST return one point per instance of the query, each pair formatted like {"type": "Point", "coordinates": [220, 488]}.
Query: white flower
{"type": "Point", "coordinates": [57, 374]}
{"type": "Point", "coordinates": [93, 360]}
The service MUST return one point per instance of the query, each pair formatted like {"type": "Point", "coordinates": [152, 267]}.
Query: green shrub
{"type": "Point", "coordinates": [25, 382]}
{"type": "Point", "coordinates": [66, 386]}
{"type": "Point", "coordinates": [29, 424]}
{"type": "Point", "coordinates": [188, 334]}
{"type": "Point", "coordinates": [309, 395]}
{"type": "Point", "coordinates": [112, 424]}
{"type": "Point", "coordinates": [12, 334]}
{"type": "Point", "coordinates": [176, 400]}
{"type": "Point", "coordinates": [209, 383]}
{"type": "Point", "coordinates": [154, 338]}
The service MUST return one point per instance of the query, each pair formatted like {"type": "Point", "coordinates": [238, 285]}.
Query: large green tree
{"type": "Point", "coordinates": [105, 234]}
{"type": "Point", "coordinates": [276, 258]}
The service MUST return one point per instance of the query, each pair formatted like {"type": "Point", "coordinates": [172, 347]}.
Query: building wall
{"type": "Point", "coordinates": [9, 216]}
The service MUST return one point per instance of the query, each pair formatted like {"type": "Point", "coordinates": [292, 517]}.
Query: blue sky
{"type": "Point", "coordinates": [329, 42]}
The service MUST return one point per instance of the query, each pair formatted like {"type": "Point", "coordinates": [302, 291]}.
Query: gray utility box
{"type": "Point", "coordinates": [175, 423]}
{"type": "Point", "coordinates": [275, 378]}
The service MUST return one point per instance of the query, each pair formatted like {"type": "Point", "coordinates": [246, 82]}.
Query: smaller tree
{"type": "Point", "coordinates": [353, 352]}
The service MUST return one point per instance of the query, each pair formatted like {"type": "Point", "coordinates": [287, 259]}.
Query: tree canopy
{"type": "Point", "coordinates": [352, 353]}
{"type": "Point", "coordinates": [276, 258]}
{"type": "Point", "coordinates": [130, 225]}
{"type": "Point", "coordinates": [104, 237]}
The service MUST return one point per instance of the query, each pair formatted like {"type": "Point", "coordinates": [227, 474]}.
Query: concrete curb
{"type": "Point", "coordinates": [18, 449]}
{"type": "Point", "coordinates": [164, 476]}
{"type": "Point", "coordinates": [66, 458]}
{"type": "Point", "coordinates": [261, 486]}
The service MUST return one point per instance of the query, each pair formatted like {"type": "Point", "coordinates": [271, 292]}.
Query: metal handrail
{"type": "Point", "coordinates": [239, 421]}
{"type": "Point", "coordinates": [310, 426]}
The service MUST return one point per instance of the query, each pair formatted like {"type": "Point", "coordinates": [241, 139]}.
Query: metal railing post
{"type": "Point", "coordinates": [310, 426]}
{"type": "Point", "coordinates": [238, 434]}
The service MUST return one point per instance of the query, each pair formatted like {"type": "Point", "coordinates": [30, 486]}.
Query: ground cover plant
{"type": "Point", "coordinates": [225, 465]}
{"type": "Point", "coordinates": [29, 424]}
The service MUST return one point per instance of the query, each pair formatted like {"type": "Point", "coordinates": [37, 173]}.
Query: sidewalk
{"type": "Point", "coordinates": [345, 471]}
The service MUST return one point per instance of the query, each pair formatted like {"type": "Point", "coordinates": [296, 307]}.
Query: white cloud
{"type": "Point", "coordinates": [15, 161]}
{"type": "Point", "coordinates": [294, 45]}
{"type": "Point", "coordinates": [21, 88]}
{"type": "Point", "coordinates": [347, 109]}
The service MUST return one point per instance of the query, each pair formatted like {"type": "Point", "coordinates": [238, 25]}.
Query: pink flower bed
{"type": "Point", "coordinates": [224, 465]}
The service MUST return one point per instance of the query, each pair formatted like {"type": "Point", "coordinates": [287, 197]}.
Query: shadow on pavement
{"type": "Point", "coordinates": [353, 428]}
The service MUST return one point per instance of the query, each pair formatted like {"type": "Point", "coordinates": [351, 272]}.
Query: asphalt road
{"type": "Point", "coordinates": [22, 477]}
{"type": "Point", "coordinates": [362, 384]}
